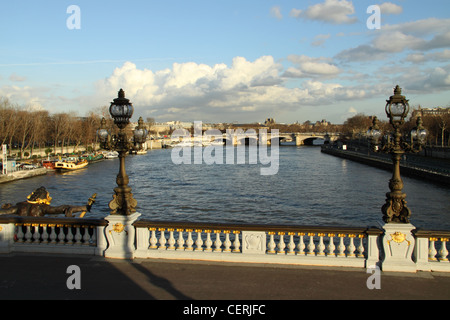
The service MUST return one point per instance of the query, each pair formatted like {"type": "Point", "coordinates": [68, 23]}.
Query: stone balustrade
{"type": "Point", "coordinates": [293, 245]}
{"type": "Point", "coordinates": [431, 251]}
{"type": "Point", "coordinates": [257, 243]}
{"type": "Point", "coordinates": [52, 235]}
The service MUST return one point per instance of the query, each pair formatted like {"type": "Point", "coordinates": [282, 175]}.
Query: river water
{"type": "Point", "coordinates": [309, 188]}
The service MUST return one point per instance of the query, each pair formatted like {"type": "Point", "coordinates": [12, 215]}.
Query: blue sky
{"type": "Point", "coordinates": [224, 61]}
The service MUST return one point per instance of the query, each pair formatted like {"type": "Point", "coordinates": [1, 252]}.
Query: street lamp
{"type": "Point", "coordinates": [397, 108]}
{"type": "Point", "coordinates": [121, 111]}
{"type": "Point", "coordinates": [140, 134]}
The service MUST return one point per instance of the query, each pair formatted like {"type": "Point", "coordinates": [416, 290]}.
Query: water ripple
{"type": "Point", "coordinates": [310, 188]}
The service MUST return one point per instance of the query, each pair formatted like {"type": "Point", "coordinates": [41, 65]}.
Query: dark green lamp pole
{"type": "Point", "coordinates": [121, 111]}
{"type": "Point", "coordinates": [397, 108]}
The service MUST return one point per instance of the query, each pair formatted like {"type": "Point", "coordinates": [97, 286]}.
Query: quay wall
{"type": "Point", "coordinates": [23, 174]}
{"type": "Point", "coordinates": [406, 170]}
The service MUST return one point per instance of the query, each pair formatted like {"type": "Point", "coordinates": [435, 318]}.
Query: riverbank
{"type": "Point", "coordinates": [23, 174]}
{"type": "Point", "coordinates": [414, 171]}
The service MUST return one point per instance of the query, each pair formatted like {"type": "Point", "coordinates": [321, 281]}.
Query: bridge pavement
{"type": "Point", "coordinates": [33, 276]}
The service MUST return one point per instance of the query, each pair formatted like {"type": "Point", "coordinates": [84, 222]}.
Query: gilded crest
{"type": "Point", "coordinates": [118, 227]}
{"type": "Point", "coordinates": [398, 237]}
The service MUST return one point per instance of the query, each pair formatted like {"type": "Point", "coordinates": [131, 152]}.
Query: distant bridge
{"type": "Point", "coordinates": [284, 139]}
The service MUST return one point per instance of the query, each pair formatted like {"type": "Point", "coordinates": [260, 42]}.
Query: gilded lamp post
{"type": "Point", "coordinates": [397, 108]}
{"type": "Point", "coordinates": [121, 110]}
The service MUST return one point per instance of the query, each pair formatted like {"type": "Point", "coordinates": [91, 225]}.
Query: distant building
{"type": "Point", "coordinates": [269, 121]}
{"type": "Point", "coordinates": [438, 111]}
{"type": "Point", "coordinates": [322, 123]}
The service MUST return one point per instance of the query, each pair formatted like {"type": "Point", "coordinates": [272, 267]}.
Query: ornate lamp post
{"type": "Point", "coordinates": [119, 232]}
{"type": "Point", "coordinates": [121, 111]}
{"type": "Point", "coordinates": [397, 108]}
{"type": "Point", "coordinates": [398, 241]}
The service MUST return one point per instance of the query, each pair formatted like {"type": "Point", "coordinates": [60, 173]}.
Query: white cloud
{"type": "Point", "coordinates": [428, 80]}
{"type": "Point", "coordinates": [243, 91]}
{"type": "Point", "coordinates": [276, 12]}
{"type": "Point", "coordinates": [320, 39]}
{"type": "Point", "coordinates": [307, 67]}
{"type": "Point", "coordinates": [352, 110]}
{"type": "Point", "coordinates": [420, 36]}
{"type": "Point", "coordinates": [26, 96]}
{"type": "Point", "coordinates": [16, 78]}
{"type": "Point", "coordinates": [390, 8]}
{"type": "Point", "coordinates": [331, 11]}
{"type": "Point", "coordinates": [397, 41]}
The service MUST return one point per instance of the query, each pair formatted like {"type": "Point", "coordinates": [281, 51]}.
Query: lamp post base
{"type": "Point", "coordinates": [398, 244]}
{"type": "Point", "coordinates": [121, 236]}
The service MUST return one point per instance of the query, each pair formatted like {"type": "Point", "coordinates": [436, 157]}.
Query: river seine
{"type": "Point", "coordinates": [310, 188]}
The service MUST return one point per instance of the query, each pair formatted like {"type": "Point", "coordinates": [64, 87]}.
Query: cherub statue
{"type": "Point", "coordinates": [38, 205]}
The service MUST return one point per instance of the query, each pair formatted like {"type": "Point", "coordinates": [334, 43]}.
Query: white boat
{"type": "Point", "coordinates": [184, 144]}
{"type": "Point", "coordinates": [217, 143]}
{"type": "Point", "coordinates": [111, 155]}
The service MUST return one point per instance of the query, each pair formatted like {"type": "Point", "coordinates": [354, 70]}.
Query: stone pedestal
{"type": "Point", "coordinates": [120, 235]}
{"type": "Point", "coordinates": [398, 244]}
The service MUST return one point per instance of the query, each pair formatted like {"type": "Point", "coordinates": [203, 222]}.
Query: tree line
{"type": "Point", "coordinates": [437, 126]}
{"type": "Point", "coordinates": [25, 129]}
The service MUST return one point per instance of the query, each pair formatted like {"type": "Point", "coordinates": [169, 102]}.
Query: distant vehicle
{"type": "Point", "coordinates": [27, 166]}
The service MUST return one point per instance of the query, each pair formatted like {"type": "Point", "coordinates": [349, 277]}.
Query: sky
{"type": "Point", "coordinates": [226, 61]}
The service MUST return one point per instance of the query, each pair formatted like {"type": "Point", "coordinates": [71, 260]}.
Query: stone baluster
{"type": "Point", "coordinates": [218, 242]}
{"type": "Point", "coordinates": [351, 247]}
{"type": "Point", "coordinates": [69, 234]}
{"type": "Point", "coordinates": [360, 253]}
{"type": "Point", "coordinates": [93, 240]}
{"type": "Point", "coordinates": [311, 245]}
{"type": "Point", "coordinates": [36, 233]}
{"type": "Point", "coordinates": [281, 245]}
{"type": "Point", "coordinates": [199, 241]}
{"type": "Point", "coordinates": [443, 252]}
{"type": "Point", "coordinates": [321, 245]}
{"type": "Point", "coordinates": [53, 236]}
{"type": "Point", "coordinates": [78, 236]}
{"type": "Point", "coordinates": [153, 240]}
{"type": "Point", "coordinates": [236, 243]}
{"type": "Point", "coordinates": [28, 234]}
{"type": "Point", "coordinates": [432, 250]}
{"type": "Point", "coordinates": [189, 241]}
{"type": "Point", "coordinates": [301, 244]}
{"type": "Point", "coordinates": [271, 245]}
{"type": "Point", "coordinates": [208, 242]}
{"type": "Point", "coordinates": [86, 236]}
{"type": "Point", "coordinates": [227, 242]}
{"type": "Point", "coordinates": [291, 244]}
{"type": "Point", "coordinates": [171, 241]}
{"type": "Point", "coordinates": [180, 241]}
{"type": "Point", "coordinates": [61, 235]}
{"type": "Point", "coordinates": [45, 234]}
{"type": "Point", "coordinates": [162, 238]}
{"type": "Point", "coordinates": [331, 247]}
{"type": "Point", "coordinates": [20, 234]}
{"type": "Point", "coordinates": [341, 246]}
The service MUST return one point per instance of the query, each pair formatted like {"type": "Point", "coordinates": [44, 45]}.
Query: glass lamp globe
{"type": "Point", "coordinates": [397, 107]}
{"type": "Point", "coordinates": [102, 133]}
{"type": "Point", "coordinates": [121, 110]}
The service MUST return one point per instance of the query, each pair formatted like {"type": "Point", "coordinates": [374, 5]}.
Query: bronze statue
{"type": "Point", "coordinates": [38, 205]}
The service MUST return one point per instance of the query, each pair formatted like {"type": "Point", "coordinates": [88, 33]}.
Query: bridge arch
{"type": "Point", "coordinates": [253, 141]}
{"type": "Point", "coordinates": [313, 141]}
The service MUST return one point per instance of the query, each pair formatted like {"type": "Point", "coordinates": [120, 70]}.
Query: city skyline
{"type": "Point", "coordinates": [226, 61]}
